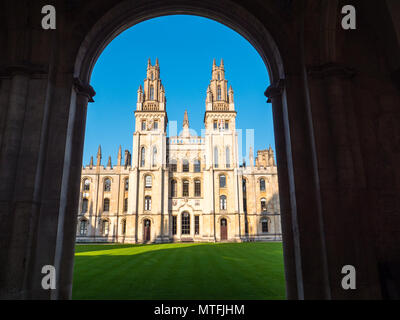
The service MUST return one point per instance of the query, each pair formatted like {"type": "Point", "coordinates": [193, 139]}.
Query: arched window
{"type": "Point", "coordinates": [125, 204]}
{"type": "Point", "coordinates": [151, 93]}
{"type": "Point", "coordinates": [173, 188]}
{"type": "Point", "coordinates": [106, 205]}
{"type": "Point", "coordinates": [228, 157]}
{"type": "Point", "coordinates": [148, 181]}
{"type": "Point", "coordinates": [107, 185]}
{"type": "Point", "coordinates": [143, 125]}
{"type": "Point", "coordinates": [262, 184]}
{"type": "Point", "coordinates": [142, 157]}
{"type": "Point", "coordinates": [105, 227]}
{"type": "Point", "coordinates": [83, 227]}
{"type": "Point", "coordinates": [264, 225]}
{"type": "Point", "coordinates": [152, 76]}
{"type": "Point", "coordinates": [185, 188]}
{"type": "Point", "coordinates": [219, 93]}
{"type": "Point", "coordinates": [185, 165]}
{"type": "Point", "coordinates": [263, 204]}
{"type": "Point", "coordinates": [197, 165]}
{"type": "Point", "coordinates": [197, 188]}
{"type": "Point", "coordinates": [85, 203]}
{"type": "Point", "coordinates": [222, 181]}
{"type": "Point", "coordinates": [222, 202]}
{"type": "Point", "coordinates": [244, 187]}
{"type": "Point", "coordinates": [126, 184]}
{"type": "Point", "coordinates": [155, 125]}
{"type": "Point", "coordinates": [172, 165]}
{"type": "Point", "coordinates": [185, 223]}
{"type": "Point", "coordinates": [123, 226]}
{"type": "Point", "coordinates": [154, 156]}
{"type": "Point", "coordinates": [86, 185]}
{"type": "Point", "coordinates": [216, 157]}
{"type": "Point", "coordinates": [147, 203]}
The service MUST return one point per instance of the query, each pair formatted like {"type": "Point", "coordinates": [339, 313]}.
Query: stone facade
{"type": "Point", "coordinates": [184, 187]}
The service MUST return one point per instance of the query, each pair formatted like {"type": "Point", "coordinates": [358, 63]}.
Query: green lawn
{"type": "Point", "coordinates": [179, 271]}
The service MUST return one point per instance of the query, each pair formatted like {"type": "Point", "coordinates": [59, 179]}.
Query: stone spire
{"type": "Point", "coordinates": [221, 65]}
{"type": "Point", "coordinates": [185, 120]}
{"type": "Point", "coordinates": [98, 163]}
{"type": "Point", "coordinates": [214, 64]}
{"type": "Point", "coordinates": [109, 162]}
{"type": "Point", "coordinates": [185, 125]}
{"type": "Point", "coordinates": [157, 62]}
{"type": "Point", "coordinates": [91, 162]}
{"type": "Point", "coordinates": [119, 156]}
{"type": "Point", "coordinates": [271, 158]}
{"type": "Point", "coordinates": [230, 94]}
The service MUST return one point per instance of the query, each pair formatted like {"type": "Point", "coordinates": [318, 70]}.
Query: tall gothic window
{"type": "Point", "coordinates": [219, 93]}
{"type": "Point", "coordinates": [197, 188]}
{"type": "Point", "coordinates": [216, 157]}
{"type": "Point", "coordinates": [222, 181]}
{"type": "Point", "coordinates": [185, 188]}
{"type": "Point", "coordinates": [222, 202]}
{"type": "Point", "coordinates": [197, 165]}
{"type": "Point", "coordinates": [107, 185]}
{"type": "Point", "coordinates": [185, 165]}
{"type": "Point", "coordinates": [173, 188]}
{"type": "Point", "coordinates": [83, 227]}
{"type": "Point", "coordinates": [228, 157]}
{"type": "Point", "coordinates": [123, 226]}
{"type": "Point", "coordinates": [126, 184]}
{"type": "Point", "coordinates": [154, 156]}
{"type": "Point", "coordinates": [85, 205]}
{"type": "Point", "coordinates": [147, 203]}
{"type": "Point", "coordinates": [142, 157]}
{"type": "Point", "coordinates": [262, 185]}
{"type": "Point", "coordinates": [155, 126]}
{"type": "Point", "coordinates": [151, 93]}
{"type": "Point", "coordinates": [185, 223]}
{"type": "Point", "coordinates": [125, 204]}
{"type": "Point", "coordinates": [196, 224]}
{"type": "Point", "coordinates": [86, 185]}
{"type": "Point", "coordinates": [174, 225]}
{"type": "Point", "coordinates": [106, 205]}
{"type": "Point", "coordinates": [264, 225]}
{"type": "Point", "coordinates": [148, 181]}
{"type": "Point", "coordinates": [143, 125]}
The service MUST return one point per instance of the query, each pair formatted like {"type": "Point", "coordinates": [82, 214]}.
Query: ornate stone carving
{"type": "Point", "coordinates": [84, 89]}
{"type": "Point", "coordinates": [274, 90]}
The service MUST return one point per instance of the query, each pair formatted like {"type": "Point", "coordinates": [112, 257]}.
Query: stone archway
{"type": "Point", "coordinates": [45, 89]}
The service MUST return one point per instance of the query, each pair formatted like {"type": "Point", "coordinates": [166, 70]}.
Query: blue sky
{"type": "Point", "coordinates": [185, 46]}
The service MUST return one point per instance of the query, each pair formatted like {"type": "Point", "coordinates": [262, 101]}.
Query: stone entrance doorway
{"type": "Point", "coordinates": [224, 230]}
{"type": "Point", "coordinates": [146, 230]}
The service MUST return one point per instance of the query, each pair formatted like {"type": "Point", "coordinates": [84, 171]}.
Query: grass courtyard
{"type": "Point", "coordinates": [179, 271]}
